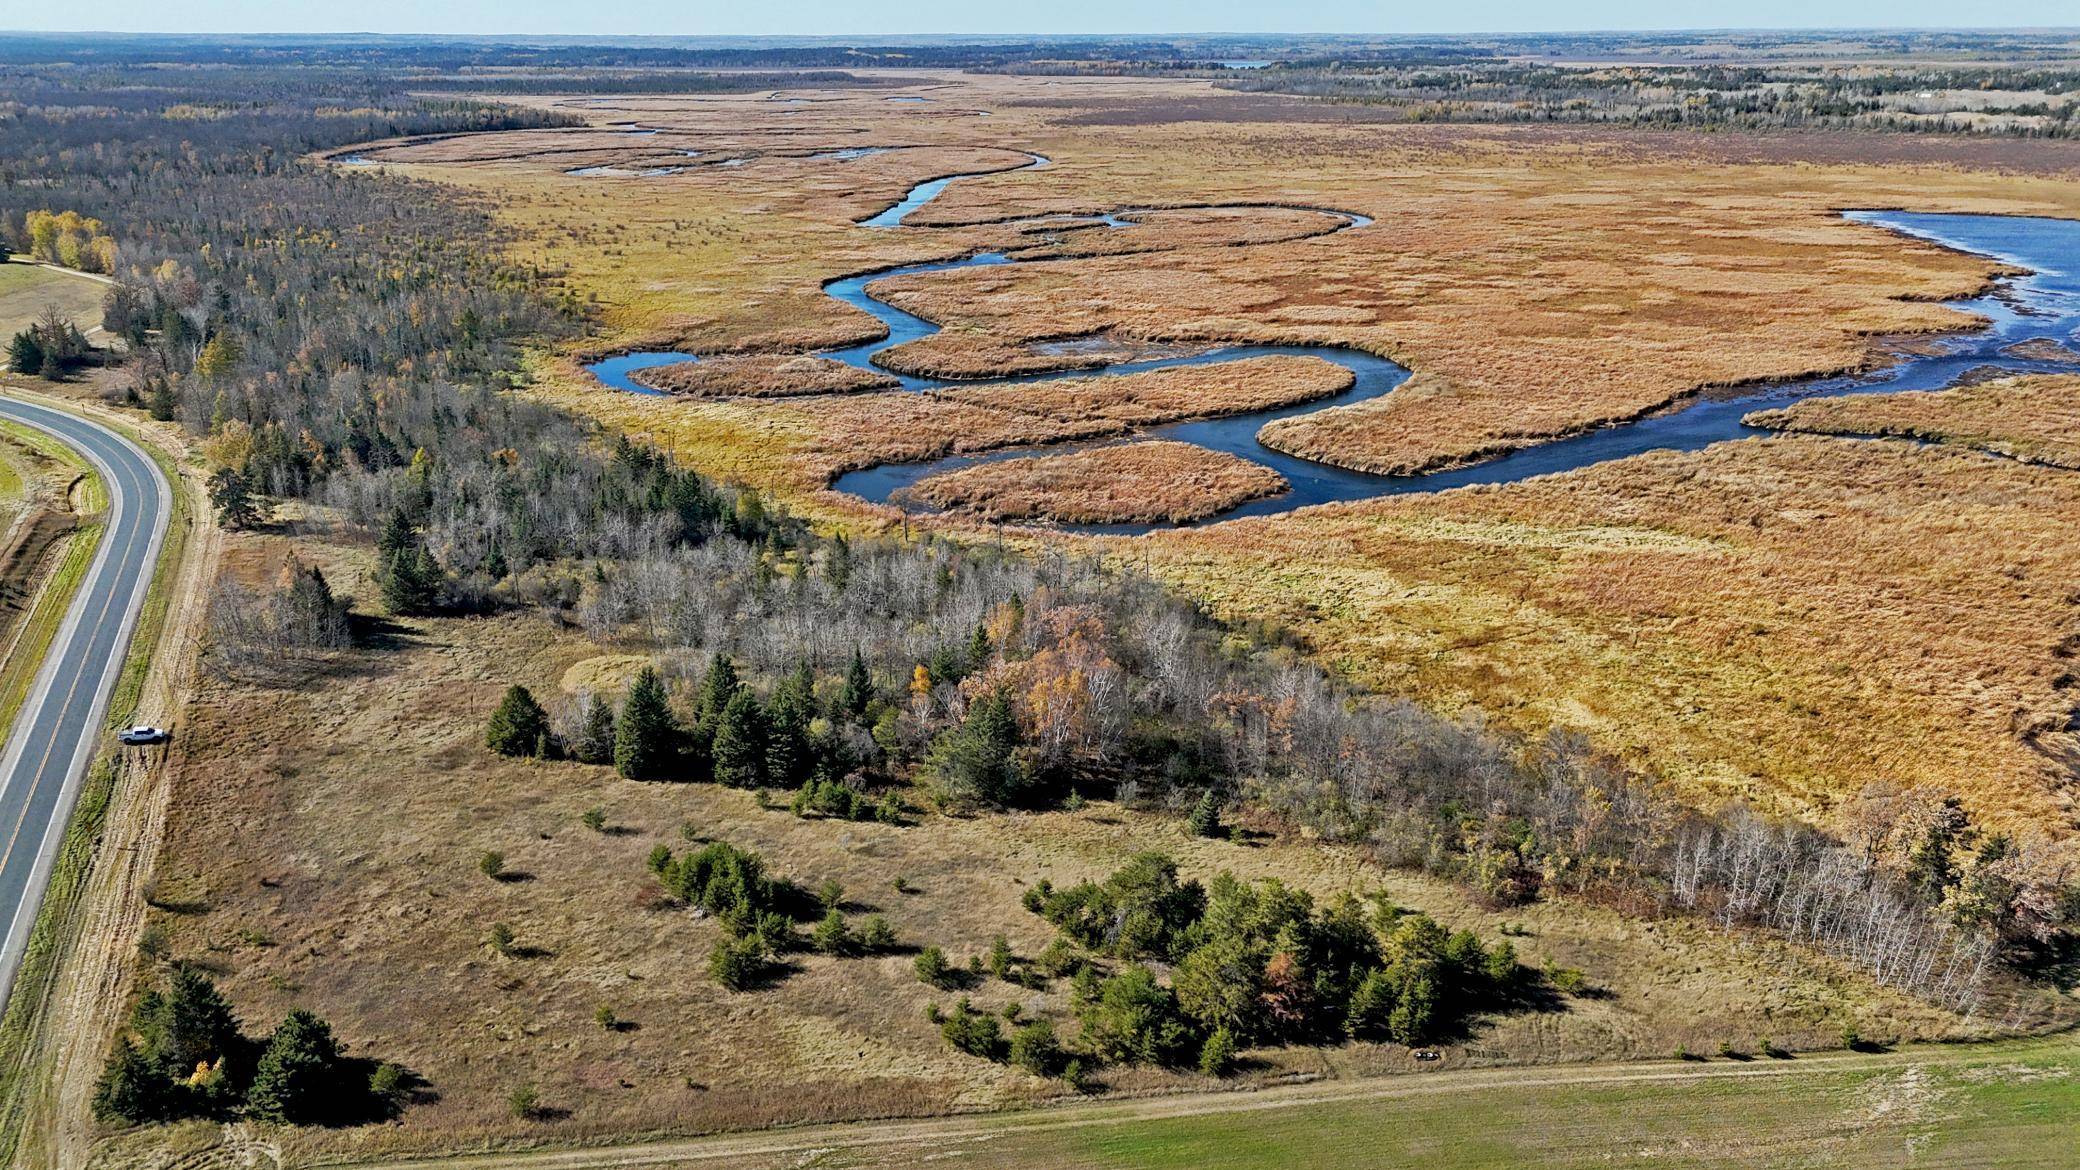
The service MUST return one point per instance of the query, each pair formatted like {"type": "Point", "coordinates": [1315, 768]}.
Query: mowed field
{"type": "Point", "coordinates": [2006, 1105]}
{"type": "Point", "coordinates": [1782, 622]}
{"type": "Point", "coordinates": [26, 290]}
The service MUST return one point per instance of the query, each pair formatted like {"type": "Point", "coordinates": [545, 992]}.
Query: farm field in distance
{"type": "Point", "coordinates": [1216, 602]}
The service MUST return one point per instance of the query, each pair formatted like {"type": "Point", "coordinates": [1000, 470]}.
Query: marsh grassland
{"type": "Point", "coordinates": [1780, 622]}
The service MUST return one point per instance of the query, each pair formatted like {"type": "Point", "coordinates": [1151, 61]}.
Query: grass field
{"type": "Point", "coordinates": [27, 289]}
{"type": "Point", "coordinates": [2008, 1108]}
{"type": "Point", "coordinates": [2005, 1105]}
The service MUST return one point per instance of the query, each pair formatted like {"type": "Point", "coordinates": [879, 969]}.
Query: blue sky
{"type": "Point", "coordinates": [832, 17]}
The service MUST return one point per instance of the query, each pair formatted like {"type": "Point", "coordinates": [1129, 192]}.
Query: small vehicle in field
{"type": "Point", "coordinates": [1428, 1054]}
{"type": "Point", "coordinates": [141, 736]}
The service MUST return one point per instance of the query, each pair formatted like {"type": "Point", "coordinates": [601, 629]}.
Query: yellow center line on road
{"type": "Point", "coordinates": [108, 555]}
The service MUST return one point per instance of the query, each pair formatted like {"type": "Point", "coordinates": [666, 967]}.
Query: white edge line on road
{"type": "Point", "coordinates": [14, 944]}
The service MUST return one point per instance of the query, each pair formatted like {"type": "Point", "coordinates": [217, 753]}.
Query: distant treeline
{"type": "Point", "coordinates": [643, 81]}
{"type": "Point", "coordinates": [2039, 102]}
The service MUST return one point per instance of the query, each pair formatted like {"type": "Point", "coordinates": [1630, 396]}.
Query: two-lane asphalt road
{"type": "Point", "coordinates": [60, 726]}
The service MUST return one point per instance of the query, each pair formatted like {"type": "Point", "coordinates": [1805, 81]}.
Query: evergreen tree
{"type": "Point", "coordinates": [595, 742]}
{"type": "Point", "coordinates": [1205, 820]}
{"type": "Point", "coordinates": [643, 734]}
{"type": "Point", "coordinates": [298, 1078]}
{"type": "Point", "coordinates": [411, 580]}
{"type": "Point", "coordinates": [160, 400]}
{"type": "Point", "coordinates": [232, 497]}
{"type": "Point", "coordinates": [977, 762]}
{"type": "Point", "coordinates": [518, 725]}
{"type": "Point", "coordinates": [979, 647]}
{"type": "Point", "coordinates": [718, 687]}
{"type": "Point", "coordinates": [837, 563]}
{"type": "Point", "coordinates": [190, 1025]}
{"type": "Point", "coordinates": [130, 1090]}
{"type": "Point", "coordinates": [25, 353]}
{"type": "Point", "coordinates": [398, 534]}
{"type": "Point", "coordinates": [859, 687]}
{"type": "Point", "coordinates": [739, 751]}
{"type": "Point", "coordinates": [790, 754]}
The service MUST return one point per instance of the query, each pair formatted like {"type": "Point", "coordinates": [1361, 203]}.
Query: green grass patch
{"type": "Point", "coordinates": [2005, 1105]}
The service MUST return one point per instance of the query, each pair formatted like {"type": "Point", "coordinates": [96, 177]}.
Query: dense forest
{"type": "Point", "coordinates": [351, 339]}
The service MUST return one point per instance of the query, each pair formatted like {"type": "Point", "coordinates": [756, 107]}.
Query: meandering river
{"type": "Point", "coordinates": [2045, 304]}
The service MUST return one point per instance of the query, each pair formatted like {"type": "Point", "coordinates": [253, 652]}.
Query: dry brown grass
{"type": "Point", "coordinates": [760, 376]}
{"type": "Point", "coordinates": [321, 850]}
{"type": "Point", "coordinates": [1781, 620]}
{"type": "Point", "coordinates": [905, 426]}
{"type": "Point", "coordinates": [1138, 482]}
{"type": "Point", "coordinates": [1168, 395]}
{"type": "Point", "coordinates": [1538, 281]}
{"type": "Point", "coordinates": [2034, 419]}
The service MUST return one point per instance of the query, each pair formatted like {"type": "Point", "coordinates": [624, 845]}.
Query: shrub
{"type": "Point", "coordinates": [738, 963]}
{"type": "Point", "coordinates": [499, 938]}
{"type": "Point", "coordinates": [1566, 979]}
{"type": "Point", "coordinates": [832, 936]}
{"type": "Point", "coordinates": [523, 1102]}
{"type": "Point", "coordinates": [594, 818]}
{"type": "Point", "coordinates": [932, 968]}
{"type": "Point", "coordinates": [1217, 1054]}
{"type": "Point", "coordinates": [877, 935]}
{"type": "Point", "coordinates": [1035, 1049]}
{"type": "Point", "coordinates": [975, 1033]}
{"type": "Point", "coordinates": [388, 1083]}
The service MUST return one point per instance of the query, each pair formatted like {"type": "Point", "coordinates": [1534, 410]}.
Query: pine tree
{"type": "Point", "coordinates": [790, 756]}
{"type": "Point", "coordinates": [25, 353]}
{"type": "Point", "coordinates": [518, 725]}
{"type": "Point", "coordinates": [232, 497]}
{"type": "Point", "coordinates": [186, 1027]}
{"type": "Point", "coordinates": [859, 687]}
{"type": "Point", "coordinates": [595, 742]}
{"type": "Point", "coordinates": [130, 1090]}
{"type": "Point", "coordinates": [160, 401]}
{"type": "Point", "coordinates": [718, 687]}
{"type": "Point", "coordinates": [979, 647]}
{"type": "Point", "coordinates": [297, 1080]}
{"type": "Point", "coordinates": [1205, 819]}
{"type": "Point", "coordinates": [837, 563]}
{"type": "Point", "coordinates": [643, 734]}
{"type": "Point", "coordinates": [411, 580]}
{"type": "Point", "coordinates": [398, 534]}
{"type": "Point", "coordinates": [740, 743]}
{"type": "Point", "coordinates": [977, 762]}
